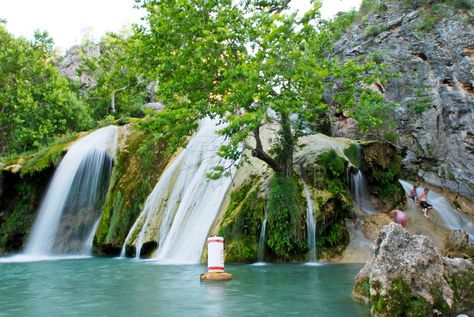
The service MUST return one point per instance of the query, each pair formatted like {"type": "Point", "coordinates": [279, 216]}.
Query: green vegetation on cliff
{"type": "Point", "coordinates": [138, 166]}
{"type": "Point", "coordinates": [286, 218]}
{"type": "Point", "coordinates": [242, 222]}
{"type": "Point", "coordinates": [382, 168]}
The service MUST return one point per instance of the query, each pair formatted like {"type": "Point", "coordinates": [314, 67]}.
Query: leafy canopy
{"type": "Point", "coordinates": [36, 102]}
{"type": "Point", "coordinates": [251, 64]}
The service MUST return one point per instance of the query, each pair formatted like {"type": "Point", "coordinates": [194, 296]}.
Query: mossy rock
{"type": "Point", "coordinates": [242, 222]}
{"type": "Point", "coordinates": [138, 166]}
{"type": "Point", "coordinates": [382, 166]}
{"type": "Point", "coordinates": [399, 300]}
{"type": "Point", "coordinates": [20, 197]}
{"type": "Point", "coordinates": [286, 226]}
{"type": "Point", "coordinates": [30, 163]}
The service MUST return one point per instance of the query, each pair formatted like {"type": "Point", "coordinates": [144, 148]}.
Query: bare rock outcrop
{"type": "Point", "coordinates": [408, 276]}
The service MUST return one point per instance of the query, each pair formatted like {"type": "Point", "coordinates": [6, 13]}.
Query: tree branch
{"type": "Point", "coordinates": [259, 153]}
{"type": "Point", "coordinates": [112, 103]}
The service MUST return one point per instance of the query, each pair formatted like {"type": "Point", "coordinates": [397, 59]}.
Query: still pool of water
{"type": "Point", "coordinates": [113, 287]}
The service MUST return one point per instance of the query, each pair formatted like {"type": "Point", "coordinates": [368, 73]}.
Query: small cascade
{"type": "Point", "coordinates": [360, 193]}
{"type": "Point", "coordinates": [311, 226]}
{"type": "Point", "coordinates": [90, 240]}
{"type": "Point", "coordinates": [450, 217]}
{"type": "Point", "coordinates": [75, 196]}
{"type": "Point", "coordinates": [358, 186]}
{"type": "Point", "coordinates": [261, 240]}
{"type": "Point", "coordinates": [180, 210]}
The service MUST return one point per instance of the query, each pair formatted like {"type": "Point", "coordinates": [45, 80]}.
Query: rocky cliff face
{"type": "Point", "coordinates": [74, 59]}
{"type": "Point", "coordinates": [431, 47]}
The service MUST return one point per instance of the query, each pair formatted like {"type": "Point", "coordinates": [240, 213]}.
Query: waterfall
{"type": "Point", "coordinates": [73, 201]}
{"type": "Point", "coordinates": [261, 240]}
{"type": "Point", "coordinates": [450, 217]}
{"type": "Point", "coordinates": [360, 193]}
{"type": "Point", "coordinates": [310, 225]}
{"type": "Point", "coordinates": [90, 240]}
{"type": "Point", "coordinates": [179, 212]}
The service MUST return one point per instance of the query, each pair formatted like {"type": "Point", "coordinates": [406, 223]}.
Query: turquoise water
{"type": "Point", "coordinates": [113, 287]}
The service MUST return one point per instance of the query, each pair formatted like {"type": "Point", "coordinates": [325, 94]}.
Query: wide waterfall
{"type": "Point", "coordinates": [180, 210]}
{"type": "Point", "coordinates": [310, 225]}
{"type": "Point", "coordinates": [450, 217]}
{"type": "Point", "coordinates": [73, 202]}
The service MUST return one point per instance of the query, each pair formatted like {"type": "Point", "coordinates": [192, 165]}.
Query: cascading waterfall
{"type": "Point", "coordinates": [179, 212]}
{"type": "Point", "coordinates": [360, 193]}
{"type": "Point", "coordinates": [358, 186]}
{"type": "Point", "coordinates": [261, 240]}
{"type": "Point", "coordinates": [451, 218]}
{"type": "Point", "coordinates": [310, 225]}
{"type": "Point", "coordinates": [75, 196]}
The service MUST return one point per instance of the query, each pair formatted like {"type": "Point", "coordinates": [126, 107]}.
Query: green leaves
{"type": "Point", "coordinates": [36, 103]}
{"type": "Point", "coordinates": [253, 64]}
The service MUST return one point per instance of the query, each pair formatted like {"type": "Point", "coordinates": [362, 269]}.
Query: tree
{"type": "Point", "coordinates": [251, 64]}
{"type": "Point", "coordinates": [36, 103]}
{"type": "Point", "coordinates": [118, 89]}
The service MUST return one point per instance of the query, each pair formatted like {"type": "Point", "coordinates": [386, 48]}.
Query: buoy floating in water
{"type": "Point", "coordinates": [215, 261]}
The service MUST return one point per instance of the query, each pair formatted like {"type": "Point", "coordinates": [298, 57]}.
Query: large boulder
{"type": "Point", "coordinates": [407, 276]}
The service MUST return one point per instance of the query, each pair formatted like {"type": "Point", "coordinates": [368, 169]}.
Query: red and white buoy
{"type": "Point", "coordinates": [215, 254]}
{"type": "Point", "coordinates": [215, 261]}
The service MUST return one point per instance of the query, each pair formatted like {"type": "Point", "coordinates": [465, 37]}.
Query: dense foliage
{"type": "Point", "coordinates": [117, 89]}
{"type": "Point", "coordinates": [36, 102]}
{"type": "Point", "coordinates": [251, 64]}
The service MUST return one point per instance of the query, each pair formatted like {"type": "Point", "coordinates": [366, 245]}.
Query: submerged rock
{"type": "Point", "coordinates": [408, 276]}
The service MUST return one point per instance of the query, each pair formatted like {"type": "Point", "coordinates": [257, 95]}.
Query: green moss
{"type": "Point", "coordinates": [286, 218]}
{"type": "Point", "coordinates": [462, 285]}
{"type": "Point", "coordinates": [34, 162]}
{"type": "Point", "coordinates": [242, 222]}
{"type": "Point", "coordinates": [137, 169]}
{"type": "Point", "coordinates": [353, 154]}
{"type": "Point", "coordinates": [399, 300]}
{"type": "Point", "coordinates": [19, 200]}
{"type": "Point", "coordinates": [375, 29]}
{"type": "Point", "coordinates": [382, 169]}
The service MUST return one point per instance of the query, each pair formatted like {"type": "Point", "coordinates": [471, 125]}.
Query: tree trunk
{"type": "Point", "coordinates": [287, 145]}
{"type": "Point", "coordinates": [112, 103]}
{"type": "Point", "coordinates": [259, 153]}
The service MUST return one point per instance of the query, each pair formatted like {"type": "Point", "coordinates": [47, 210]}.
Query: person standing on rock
{"type": "Point", "coordinates": [424, 202]}
{"type": "Point", "coordinates": [399, 216]}
{"type": "Point", "coordinates": [413, 194]}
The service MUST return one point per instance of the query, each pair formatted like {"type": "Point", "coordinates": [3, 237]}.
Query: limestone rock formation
{"type": "Point", "coordinates": [407, 276]}
{"type": "Point", "coordinates": [458, 245]}
{"type": "Point", "coordinates": [373, 224]}
{"type": "Point", "coordinates": [72, 61]}
{"type": "Point", "coordinates": [435, 87]}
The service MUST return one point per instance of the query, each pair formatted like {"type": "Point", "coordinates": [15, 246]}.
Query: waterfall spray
{"type": "Point", "coordinates": [76, 193]}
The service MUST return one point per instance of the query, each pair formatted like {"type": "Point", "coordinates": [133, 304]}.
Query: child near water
{"type": "Point", "coordinates": [424, 202]}
{"type": "Point", "coordinates": [413, 194]}
{"type": "Point", "coordinates": [399, 216]}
